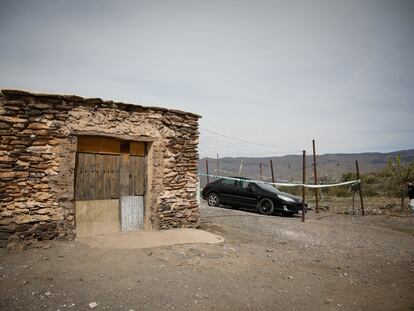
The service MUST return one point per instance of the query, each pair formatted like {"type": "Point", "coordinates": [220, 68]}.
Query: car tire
{"type": "Point", "coordinates": [213, 199]}
{"type": "Point", "coordinates": [265, 207]}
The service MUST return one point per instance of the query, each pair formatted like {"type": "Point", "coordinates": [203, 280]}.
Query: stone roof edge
{"type": "Point", "coordinates": [15, 92]}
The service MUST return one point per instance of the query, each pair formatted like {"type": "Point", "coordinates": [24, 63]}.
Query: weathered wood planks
{"type": "Point", "coordinates": [107, 176]}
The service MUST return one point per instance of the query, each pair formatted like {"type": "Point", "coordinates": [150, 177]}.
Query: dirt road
{"type": "Point", "coordinates": [330, 262]}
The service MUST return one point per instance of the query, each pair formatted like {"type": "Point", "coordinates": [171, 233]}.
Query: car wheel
{"type": "Point", "coordinates": [213, 199]}
{"type": "Point", "coordinates": [265, 206]}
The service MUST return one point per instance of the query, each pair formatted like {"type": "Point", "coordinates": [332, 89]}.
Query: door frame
{"type": "Point", "coordinates": [148, 165]}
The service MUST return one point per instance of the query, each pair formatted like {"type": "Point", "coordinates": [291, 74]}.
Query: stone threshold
{"type": "Point", "coordinates": [150, 239]}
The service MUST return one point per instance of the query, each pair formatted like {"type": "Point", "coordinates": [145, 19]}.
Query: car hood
{"type": "Point", "coordinates": [275, 193]}
{"type": "Point", "coordinates": [291, 196]}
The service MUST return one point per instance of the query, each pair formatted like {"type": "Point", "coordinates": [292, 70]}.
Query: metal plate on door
{"type": "Point", "coordinates": [132, 213]}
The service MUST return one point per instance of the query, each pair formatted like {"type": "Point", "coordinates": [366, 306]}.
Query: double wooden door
{"type": "Point", "coordinates": [107, 176]}
{"type": "Point", "coordinates": [109, 193]}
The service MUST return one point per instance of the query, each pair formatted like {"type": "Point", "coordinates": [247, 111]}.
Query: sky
{"type": "Point", "coordinates": [266, 76]}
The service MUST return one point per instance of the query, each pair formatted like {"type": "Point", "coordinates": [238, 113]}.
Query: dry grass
{"type": "Point", "coordinates": [376, 205]}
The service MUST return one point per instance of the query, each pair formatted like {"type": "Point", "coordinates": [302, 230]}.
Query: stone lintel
{"type": "Point", "coordinates": [122, 137]}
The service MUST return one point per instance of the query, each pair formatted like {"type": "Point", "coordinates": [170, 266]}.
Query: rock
{"type": "Point", "coordinates": [40, 106]}
{"type": "Point", "coordinates": [215, 255]}
{"type": "Point", "coordinates": [48, 293]}
{"type": "Point", "coordinates": [93, 305]}
{"type": "Point", "coordinates": [24, 219]}
{"type": "Point", "coordinates": [38, 126]}
{"type": "Point", "coordinates": [193, 252]}
{"type": "Point", "coordinates": [12, 119]}
{"type": "Point", "coordinates": [4, 235]}
{"type": "Point", "coordinates": [21, 163]}
{"type": "Point", "coordinates": [4, 175]}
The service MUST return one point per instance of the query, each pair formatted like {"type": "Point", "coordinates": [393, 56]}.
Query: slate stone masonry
{"type": "Point", "coordinates": [38, 151]}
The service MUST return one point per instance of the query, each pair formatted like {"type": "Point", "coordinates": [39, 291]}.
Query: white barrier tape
{"type": "Point", "coordinates": [357, 181]}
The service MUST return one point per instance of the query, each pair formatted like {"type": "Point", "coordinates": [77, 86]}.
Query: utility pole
{"type": "Point", "coordinates": [360, 188]}
{"type": "Point", "coordinates": [316, 177]}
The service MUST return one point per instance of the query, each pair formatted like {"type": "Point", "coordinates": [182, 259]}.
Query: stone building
{"type": "Point", "coordinates": [78, 166]}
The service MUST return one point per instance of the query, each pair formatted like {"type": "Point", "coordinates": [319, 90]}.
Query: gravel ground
{"type": "Point", "coordinates": [330, 262]}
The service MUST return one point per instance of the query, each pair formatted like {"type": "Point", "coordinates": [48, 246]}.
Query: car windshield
{"type": "Point", "coordinates": [268, 187]}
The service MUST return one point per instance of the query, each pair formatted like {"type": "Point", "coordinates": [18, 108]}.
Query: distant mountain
{"type": "Point", "coordinates": [289, 167]}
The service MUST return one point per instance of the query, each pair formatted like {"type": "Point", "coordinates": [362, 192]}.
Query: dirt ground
{"type": "Point", "coordinates": [330, 262]}
{"type": "Point", "coordinates": [374, 205]}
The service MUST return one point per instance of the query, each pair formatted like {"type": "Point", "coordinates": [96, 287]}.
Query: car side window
{"type": "Point", "coordinates": [227, 182]}
{"type": "Point", "coordinates": [243, 184]}
{"type": "Point", "coordinates": [252, 186]}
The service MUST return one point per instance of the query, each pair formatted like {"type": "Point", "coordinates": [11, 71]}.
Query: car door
{"type": "Point", "coordinates": [246, 194]}
{"type": "Point", "coordinates": [227, 191]}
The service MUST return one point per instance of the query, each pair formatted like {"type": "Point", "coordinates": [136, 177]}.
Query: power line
{"type": "Point", "coordinates": [249, 141]}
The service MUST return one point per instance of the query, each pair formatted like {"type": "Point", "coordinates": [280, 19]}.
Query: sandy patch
{"type": "Point", "coordinates": [149, 239]}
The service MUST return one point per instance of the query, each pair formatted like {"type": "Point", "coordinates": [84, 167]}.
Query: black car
{"type": "Point", "coordinates": [241, 192]}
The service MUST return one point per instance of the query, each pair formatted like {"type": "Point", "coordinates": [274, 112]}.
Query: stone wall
{"type": "Point", "coordinates": [38, 151]}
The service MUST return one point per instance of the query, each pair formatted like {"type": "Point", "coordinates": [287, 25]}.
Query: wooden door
{"type": "Point", "coordinates": [102, 179]}
{"type": "Point", "coordinates": [97, 176]}
{"type": "Point", "coordinates": [104, 176]}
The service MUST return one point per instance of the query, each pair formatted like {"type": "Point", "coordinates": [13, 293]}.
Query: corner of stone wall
{"type": "Point", "coordinates": [32, 142]}
{"type": "Point", "coordinates": [178, 206]}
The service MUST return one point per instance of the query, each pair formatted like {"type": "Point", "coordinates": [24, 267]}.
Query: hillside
{"type": "Point", "coordinates": [289, 167]}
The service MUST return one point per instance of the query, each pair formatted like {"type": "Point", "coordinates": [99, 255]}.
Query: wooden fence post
{"type": "Point", "coordinates": [273, 173]}
{"type": "Point", "coordinates": [261, 171]}
{"type": "Point", "coordinates": [208, 178]}
{"type": "Point", "coordinates": [241, 168]}
{"type": "Point", "coordinates": [360, 189]}
{"type": "Point", "coordinates": [303, 187]}
{"type": "Point", "coordinates": [218, 166]}
{"type": "Point", "coordinates": [316, 178]}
